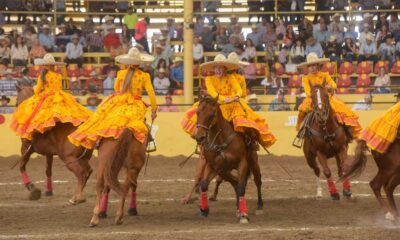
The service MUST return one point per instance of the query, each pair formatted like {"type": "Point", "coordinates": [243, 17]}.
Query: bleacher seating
{"type": "Point", "coordinates": [364, 67]}
{"type": "Point", "coordinates": [380, 64]}
{"type": "Point", "coordinates": [346, 68]}
{"type": "Point", "coordinates": [294, 84]}
{"type": "Point", "coordinates": [329, 67]}
{"type": "Point", "coordinates": [363, 83]}
{"type": "Point", "coordinates": [343, 83]}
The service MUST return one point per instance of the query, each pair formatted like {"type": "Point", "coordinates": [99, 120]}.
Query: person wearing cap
{"type": "Point", "coordinates": [4, 107]}
{"type": "Point", "coordinates": [383, 131]}
{"type": "Point", "coordinates": [386, 50]}
{"type": "Point", "coordinates": [169, 106]}
{"type": "Point", "coordinates": [112, 40]}
{"type": "Point", "coordinates": [363, 104]}
{"type": "Point", "coordinates": [272, 82]}
{"type": "Point", "coordinates": [312, 46]}
{"type": "Point", "coordinates": [167, 49]}
{"type": "Point", "coordinates": [159, 54]}
{"type": "Point", "coordinates": [49, 104]}
{"type": "Point", "coordinates": [94, 41]}
{"type": "Point", "coordinates": [368, 50]}
{"type": "Point", "coordinates": [198, 50]}
{"type": "Point", "coordinates": [344, 114]}
{"type": "Point", "coordinates": [336, 21]}
{"type": "Point", "coordinates": [349, 49]}
{"type": "Point", "coordinates": [333, 50]}
{"type": "Point", "coordinates": [177, 73]}
{"type": "Point", "coordinates": [130, 20]}
{"type": "Point", "coordinates": [161, 83]}
{"type": "Point", "coordinates": [46, 39]}
{"type": "Point", "coordinates": [253, 103]}
{"type": "Point", "coordinates": [364, 33]}
{"type": "Point", "coordinates": [107, 25]}
{"type": "Point", "coordinates": [279, 103]}
{"type": "Point", "coordinates": [382, 81]}
{"type": "Point", "coordinates": [256, 37]}
{"type": "Point", "coordinates": [124, 109]}
{"type": "Point", "coordinates": [62, 38]}
{"type": "Point", "coordinates": [141, 33]}
{"type": "Point", "coordinates": [74, 51]}
{"type": "Point", "coordinates": [4, 50]}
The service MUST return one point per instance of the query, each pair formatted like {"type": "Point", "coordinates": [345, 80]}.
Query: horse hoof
{"type": "Point", "coordinates": [132, 212]}
{"type": "Point", "coordinates": [48, 193]}
{"type": "Point", "coordinates": [347, 193]}
{"type": "Point", "coordinates": [259, 212]}
{"type": "Point", "coordinates": [244, 219]}
{"type": "Point", "coordinates": [204, 212]}
{"type": "Point", "coordinates": [389, 216]}
{"type": "Point", "coordinates": [35, 194]}
{"type": "Point", "coordinates": [335, 196]}
{"type": "Point", "coordinates": [73, 201]}
{"type": "Point", "coordinates": [92, 224]}
{"type": "Point", "coordinates": [102, 214]}
{"type": "Point", "coordinates": [213, 199]}
{"type": "Point", "coordinates": [119, 221]}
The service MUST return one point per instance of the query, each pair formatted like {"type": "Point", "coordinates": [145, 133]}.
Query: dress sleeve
{"type": "Point", "coordinates": [237, 90]}
{"type": "Point", "coordinates": [212, 91]}
{"type": "Point", "coordinates": [306, 85]}
{"type": "Point", "coordinates": [150, 91]}
{"type": "Point", "coordinates": [119, 81]}
{"type": "Point", "coordinates": [39, 86]}
{"type": "Point", "coordinates": [330, 81]}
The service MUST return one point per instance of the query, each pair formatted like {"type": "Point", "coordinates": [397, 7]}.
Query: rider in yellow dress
{"type": "Point", "coordinates": [125, 108]}
{"type": "Point", "coordinates": [383, 131]}
{"type": "Point", "coordinates": [343, 113]}
{"type": "Point", "coordinates": [49, 104]}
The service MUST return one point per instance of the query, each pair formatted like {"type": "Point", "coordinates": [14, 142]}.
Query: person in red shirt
{"type": "Point", "coordinates": [112, 40]}
{"type": "Point", "coordinates": [141, 33]}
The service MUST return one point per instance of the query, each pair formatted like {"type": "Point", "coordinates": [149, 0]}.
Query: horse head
{"type": "Point", "coordinates": [320, 100]}
{"type": "Point", "coordinates": [207, 112]}
{"type": "Point", "coordinates": [24, 90]}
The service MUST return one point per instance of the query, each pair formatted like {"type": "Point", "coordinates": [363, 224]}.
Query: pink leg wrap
{"type": "Point", "coordinates": [203, 200]}
{"type": "Point", "coordinates": [346, 184]}
{"type": "Point", "coordinates": [104, 202]}
{"type": "Point", "coordinates": [25, 178]}
{"type": "Point", "coordinates": [242, 205]}
{"type": "Point", "coordinates": [49, 184]}
{"type": "Point", "coordinates": [133, 200]}
{"type": "Point", "coordinates": [331, 186]}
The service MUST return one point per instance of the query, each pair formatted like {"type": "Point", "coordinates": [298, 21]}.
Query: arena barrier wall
{"type": "Point", "coordinates": [172, 141]}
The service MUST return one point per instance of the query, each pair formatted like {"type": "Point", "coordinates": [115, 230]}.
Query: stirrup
{"type": "Point", "coordinates": [298, 142]}
{"type": "Point", "coordinates": [151, 146]}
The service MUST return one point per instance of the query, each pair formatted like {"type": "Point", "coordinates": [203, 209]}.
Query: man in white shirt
{"type": "Point", "coordinates": [73, 52]}
{"type": "Point", "coordinates": [198, 51]}
{"type": "Point", "coordinates": [161, 83]}
{"type": "Point", "coordinates": [364, 104]}
{"type": "Point", "coordinates": [108, 83]}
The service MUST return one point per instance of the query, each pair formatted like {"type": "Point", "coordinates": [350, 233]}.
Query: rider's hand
{"type": "Point", "coordinates": [236, 98]}
{"type": "Point", "coordinates": [227, 100]}
{"type": "Point", "coordinates": [153, 115]}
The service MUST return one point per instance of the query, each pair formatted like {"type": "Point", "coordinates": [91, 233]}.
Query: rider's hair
{"type": "Point", "coordinates": [127, 85]}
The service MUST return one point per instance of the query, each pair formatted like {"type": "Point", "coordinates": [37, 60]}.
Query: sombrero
{"type": "Point", "coordinates": [219, 60]}
{"type": "Point", "coordinates": [134, 57]}
{"type": "Point", "coordinates": [312, 58]}
{"type": "Point", "coordinates": [233, 57]}
{"type": "Point", "coordinates": [48, 59]}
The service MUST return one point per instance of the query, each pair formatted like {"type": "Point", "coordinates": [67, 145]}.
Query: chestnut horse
{"type": "Point", "coordinates": [224, 151]}
{"type": "Point", "coordinates": [128, 152]}
{"type": "Point", "coordinates": [325, 138]}
{"type": "Point", "coordinates": [50, 143]}
{"type": "Point", "coordinates": [388, 175]}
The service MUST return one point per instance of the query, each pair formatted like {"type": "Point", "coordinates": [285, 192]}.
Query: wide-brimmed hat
{"type": "Point", "coordinates": [220, 60]}
{"type": "Point", "coordinates": [108, 18]}
{"type": "Point", "coordinates": [312, 58]}
{"type": "Point", "coordinates": [48, 59]}
{"type": "Point", "coordinates": [369, 37]}
{"type": "Point", "coordinates": [233, 57]}
{"type": "Point", "coordinates": [336, 15]}
{"type": "Point", "coordinates": [5, 98]}
{"type": "Point", "coordinates": [332, 38]}
{"type": "Point", "coordinates": [178, 59]}
{"type": "Point", "coordinates": [134, 57]}
{"type": "Point", "coordinates": [253, 96]}
{"type": "Point", "coordinates": [45, 26]}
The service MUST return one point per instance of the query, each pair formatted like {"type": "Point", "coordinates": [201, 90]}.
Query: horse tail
{"type": "Point", "coordinates": [355, 168]}
{"type": "Point", "coordinates": [114, 165]}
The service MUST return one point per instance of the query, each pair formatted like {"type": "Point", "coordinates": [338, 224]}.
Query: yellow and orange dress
{"type": "Point", "coordinates": [119, 111]}
{"type": "Point", "coordinates": [383, 131]}
{"type": "Point", "coordinates": [46, 107]}
{"type": "Point", "coordinates": [343, 113]}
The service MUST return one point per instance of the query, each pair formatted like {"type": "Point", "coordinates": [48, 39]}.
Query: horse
{"type": "Point", "coordinates": [325, 138]}
{"type": "Point", "coordinates": [225, 150]}
{"type": "Point", "coordinates": [388, 175]}
{"type": "Point", "coordinates": [125, 151]}
{"type": "Point", "coordinates": [50, 143]}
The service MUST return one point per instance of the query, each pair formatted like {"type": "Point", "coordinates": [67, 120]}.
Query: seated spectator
{"type": "Point", "coordinates": [272, 82]}
{"type": "Point", "coordinates": [283, 54]}
{"type": "Point", "coordinates": [108, 83]}
{"type": "Point", "coordinates": [161, 83]}
{"type": "Point", "coordinates": [94, 84]}
{"type": "Point", "coordinates": [322, 35]}
{"type": "Point", "coordinates": [158, 55]}
{"type": "Point", "coordinates": [92, 102]}
{"type": "Point", "coordinates": [397, 50]}
{"type": "Point", "coordinates": [43, 21]}
{"type": "Point", "coordinates": [177, 73]}
{"type": "Point", "coordinates": [305, 28]}
{"type": "Point", "coordinates": [62, 38]}
{"type": "Point", "coordinates": [109, 67]}
{"type": "Point", "coordinates": [364, 34]}
{"type": "Point", "coordinates": [29, 38]}
{"type": "Point", "coordinates": [337, 33]}
{"type": "Point", "coordinates": [270, 55]}
{"type": "Point", "coordinates": [364, 104]}
{"type": "Point", "coordinates": [46, 39]}
{"type": "Point", "coordinates": [5, 108]}
{"type": "Point", "coordinates": [198, 26]}
{"type": "Point", "coordinates": [297, 52]}
{"type": "Point", "coordinates": [221, 38]}
{"type": "Point", "coordinates": [230, 47]}
{"type": "Point", "coordinates": [255, 37]}
{"type": "Point", "coordinates": [75, 86]}
{"type": "Point", "coordinates": [207, 38]}
{"type": "Point", "coordinates": [381, 35]}
{"type": "Point", "coordinates": [351, 32]}
{"type": "Point", "coordinates": [382, 81]}
{"type": "Point", "coordinates": [74, 51]}
{"type": "Point", "coordinates": [37, 51]}
{"type": "Point", "coordinates": [382, 21]}
{"type": "Point", "coordinates": [394, 26]}
{"type": "Point", "coordinates": [111, 40]}
{"type": "Point", "coordinates": [349, 50]}
{"type": "Point", "coordinates": [313, 46]}
{"type": "Point", "coordinates": [168, 106]}
{"type": "Point", "coordinates": [289, 37]}
{"type": "Point", "coordinates": [88, 26]}
{"type": "Point", "coordinates": [279, 103]}
{"type": "Point", "coordinates": [280, 28]}
{"type": "Point", "coordinates": [108, 25]}
{"type": "Point", "coordinates": [250, 52]}
{"type": "Point", "coordinates": [253, 103]}
{"type": "Point", "coordinates": [94, 41]}
{"type": "Point", "coordinates": [167, 50]}
{"type": "Point", "coordinates": [386, 50]}
{"type": "Point", "coordinates": [198, 52]}
{"type": "Point", "coordinates": [19, 53]}
{"type": "Point", "coordinates": [162, 64]}
{"type": "Point", "coordinates": [4, 50]}
{"type": "Point", "coordinates": [333, 50]}
{"type": "Point", "coordinates": [269, 37]}
{"type": "Point", "coordinates": [368, 50]}
{"type": "Point", "coordinates": [237, 32]}
{"type": "Point", "coordinates": [336, 21]}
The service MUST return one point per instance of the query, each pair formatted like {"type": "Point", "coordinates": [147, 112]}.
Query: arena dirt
{"type": "Point", "coordinates": [290, 212]}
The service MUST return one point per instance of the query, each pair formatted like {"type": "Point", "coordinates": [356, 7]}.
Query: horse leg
{"type": "Point", "coordinates": [255, 168]}
{"type": "Point", "coordinates": [327, 172]}
{"type": "Point", "coordinates": [104, 203]}
{"type": "Point", "coordinates": [312, 163]}
{"type": "Point", "coordinates": [241, 190]}
{"type": "Point", "coordinates": [201, 164]}
{"type": "Point", "coordinates": [389, 189]}
{"type": "Point", "coordinates": [132, 211]}
{"type": "Point", "coordinates": [49, 182]}
{"type": "Point", "coordinates": [376, 184]}
{"type": "Point", "coordinates": [26, 152]}
{"type": "Point", "coordinates": [340, 159]}
{"type": "Point", "coordinates": [119, 218]}
{"type": "Point", "coordinates": [209, 174]}
{"type": "Point", "coordinates": [100, 188]}
{"type": "Point", "coordinates": [218, 181]}
{"type": "Point", "coordinates": [82, 171]}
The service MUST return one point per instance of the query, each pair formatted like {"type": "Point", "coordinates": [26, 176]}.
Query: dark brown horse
{"type": "Point", "coordinates": [388, 175]}
{"type": "Point", "coordinates": [224, 150]}
{"type": "Point", "coordinates": [325, 138]}
{"type": "Point", "coordinates": [128, 152]}
{"type": "Point", "coordinates": [50, 143]}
